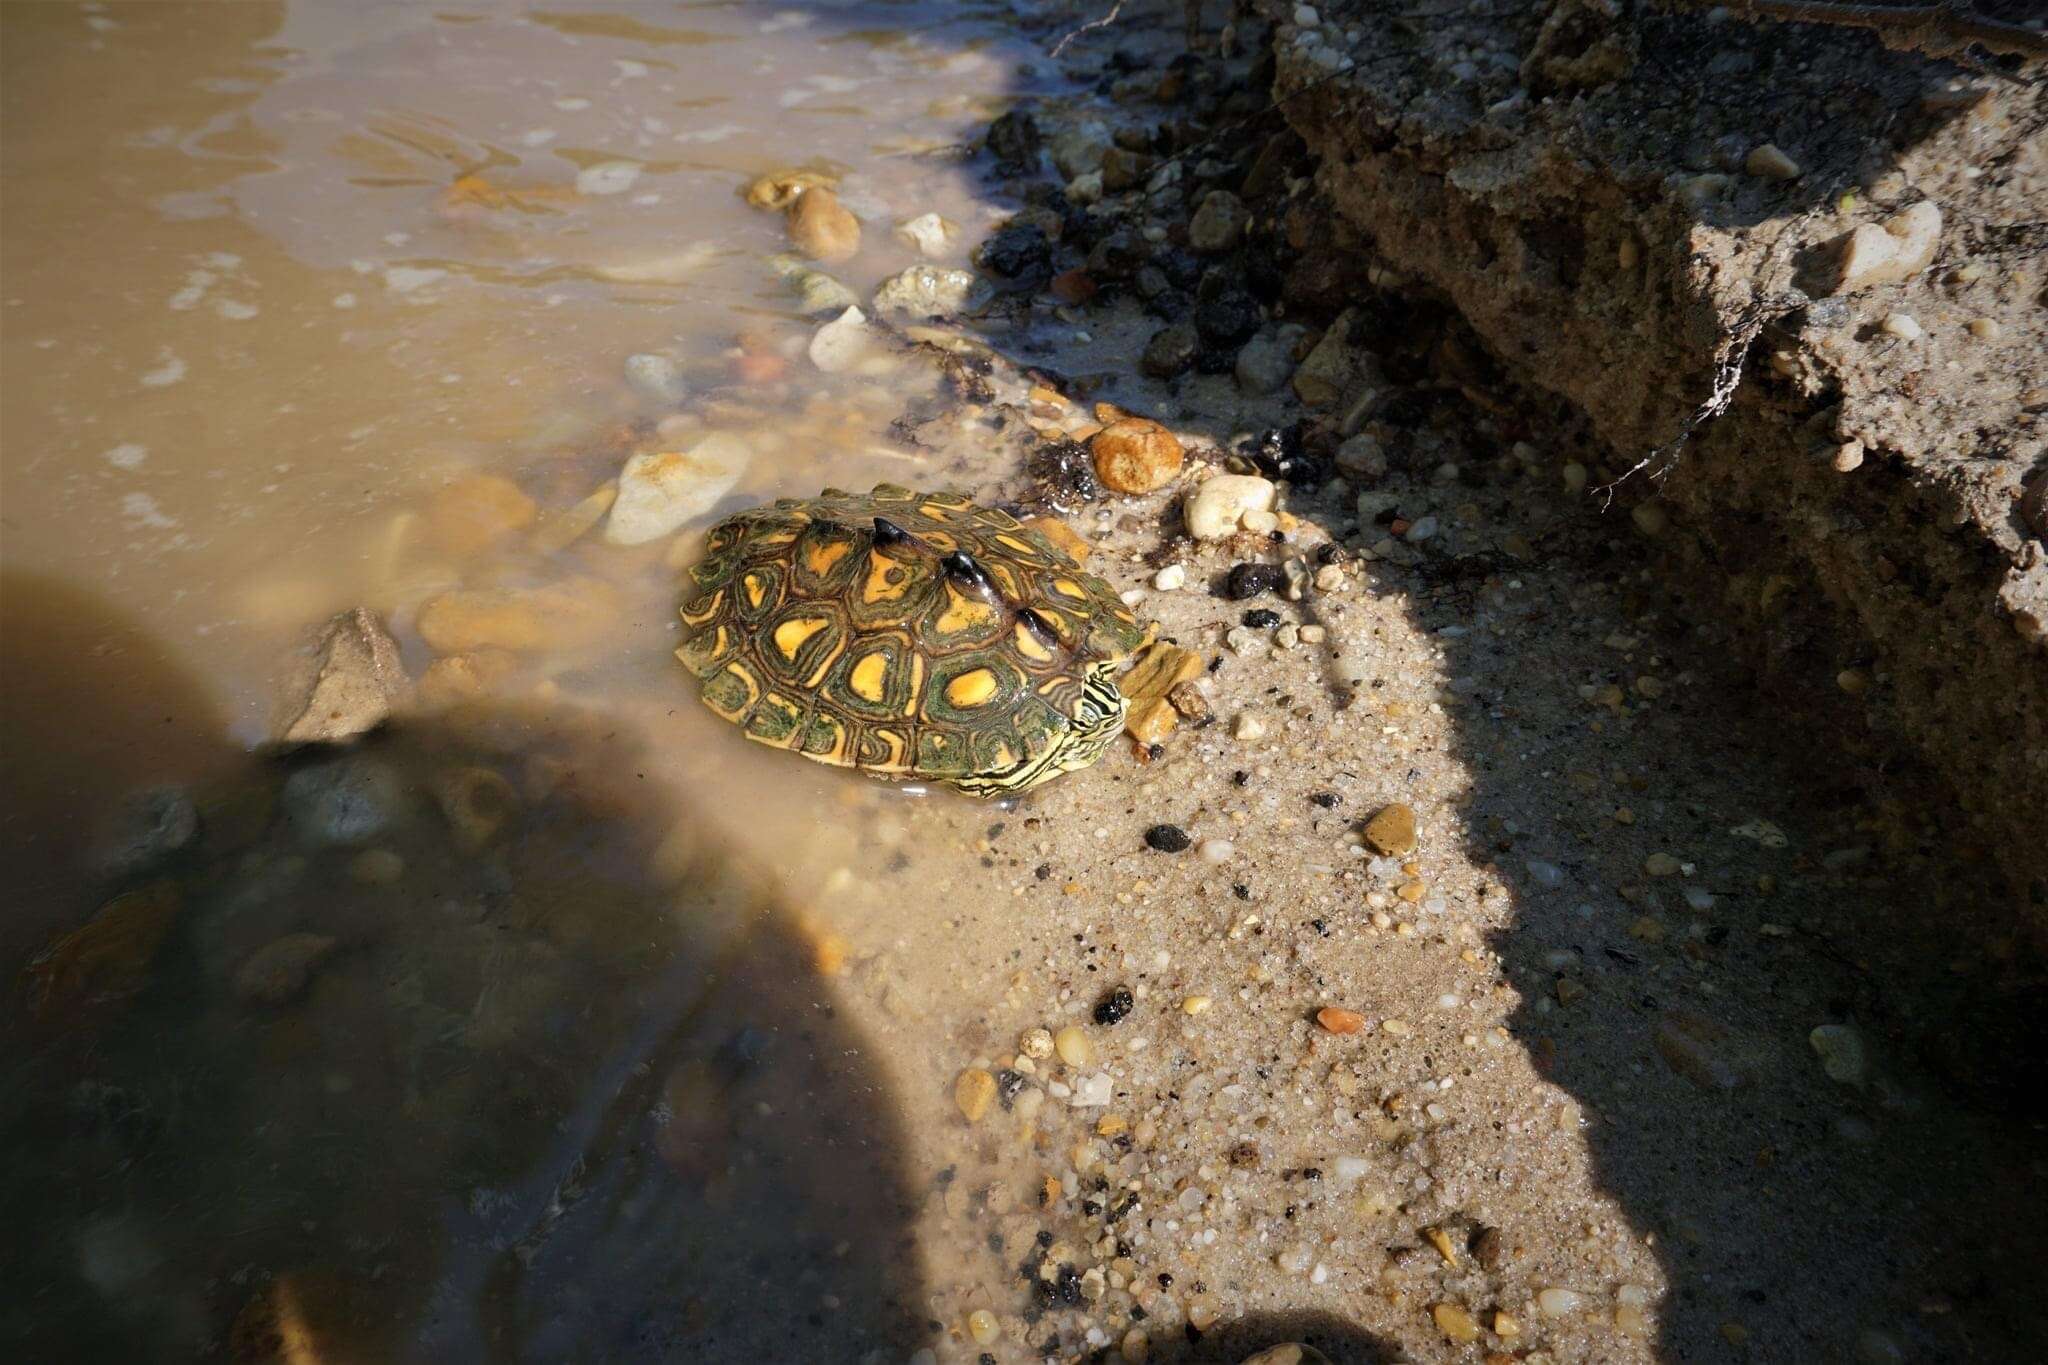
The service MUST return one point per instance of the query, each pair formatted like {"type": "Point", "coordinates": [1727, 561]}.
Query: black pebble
{"type": "Point", "coordinates": [1327, 800]}
{"type": "Point", "coordinates": [1112, 1008]}
{"type": "Point", "coordinates": [1167, 838]}
{"type": "Point", "coordinates": [1261, 618]}
{"type": "Point", "coordinates": [1250, 580]}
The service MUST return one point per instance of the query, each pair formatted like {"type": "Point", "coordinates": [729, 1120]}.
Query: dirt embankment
{"type": "Point", "coordinates": [1637, 214]}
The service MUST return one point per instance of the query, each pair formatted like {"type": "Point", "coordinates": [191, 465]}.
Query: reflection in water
{"type": "Point", "coordinates": [457, 1045]}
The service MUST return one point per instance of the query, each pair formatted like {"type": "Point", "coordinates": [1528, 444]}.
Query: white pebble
{"type": "Point", "coordinates": [1547, 875]}
{"type": "Point", "coordinates": [1422, 529]}
{"type": "Point", "coordinates": [1903, 326]}
{"type": "Point", "coordinates": [607, 177]}
{"type": "Point", "coordinates": [1260, 522]}
{"type": "Point", "coordinates": [1558, 1303]}
{"type": "Point", "coordinates": [1306, 16]}
{"type": "Point", "coordinates": [1217, 850]}
{"type": "Point", "coordinates": [1249, 727]}
{"type": "Point", "coordinates": [1214, 510]}
{"type": "Point", "coordinates": [1172, 578]}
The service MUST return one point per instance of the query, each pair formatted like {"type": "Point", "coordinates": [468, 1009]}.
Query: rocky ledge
{"type": "Point", "coordinates": [1786, 285]}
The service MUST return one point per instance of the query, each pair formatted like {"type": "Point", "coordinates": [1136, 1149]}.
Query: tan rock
{"type": "Point", "coordinates": [463, 677]}
{"type": "Point", "coordinates": [1063, 537]}
{"type": "Point", "coordinates": [1135, 455]}
{"type": "Point", "coordinates": [572, 614]}
{"type": "Point", "coordinates": [1392, 831]}
{"type": "Point", "coordinates": [972, 1093]}
{"type": "Point", "coordinates": [1339, 1020]}
{"type": "Point", "coordinates": [821, 228]}
{"type": "Point", "coordinates": [477, 803]}
{"type": "Point", "coordinates": [477, 512]}
{"type": "Point", "coordinates": [777, 190]}
{"type": "Point", "coordinates": [349, 683]}
{"type": "Point", "coordinates": [277, 972]}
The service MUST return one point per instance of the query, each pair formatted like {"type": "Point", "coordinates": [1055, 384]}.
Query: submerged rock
{"type": "Point", "coordinates": [567, 615]}
{"type": "Point", "coordinates": [659, 491]}
{"type": "Point", "coordinates": [821, 227]}
{"type": "Point", "coordinates": [349, 800]}
{"type": "Point", "coordinates": [817, 291]}
{"type": "Point", "coordinates": [145, 828]}
{"type": "Point", "coordinates": [843, 343]}
{"type": "Point", "coordinates": [348, 685]}
{"type": "Point", "coordinates": [657, 377]}
{"type": "Point", "coordinates": [278, 972]}
{"type": "Point", "coordinates": [929, 234]}
{"type": "Point", "coordinates": [932, 291]}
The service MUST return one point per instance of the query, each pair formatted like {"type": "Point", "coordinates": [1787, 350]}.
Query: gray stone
{"type": "Point", "coordinates": [1219, 223]}
{"type": "Point", "coordinates": [343, 801]}
{"type": "Point", "coordinates": [1170, 351]}
{"type": "Point", "coordinates": [145, 828]}
{"type": "Point", "coordinates": [1267, 360]}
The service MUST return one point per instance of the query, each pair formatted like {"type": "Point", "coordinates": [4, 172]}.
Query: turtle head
{"type": "Point", "coordinates": [1098, 714]}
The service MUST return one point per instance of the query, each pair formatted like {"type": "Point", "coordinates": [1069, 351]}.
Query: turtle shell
{"type": "Point", "coordinates": [914, 635]}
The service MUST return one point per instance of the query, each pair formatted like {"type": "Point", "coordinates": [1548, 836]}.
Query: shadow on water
{"type": "Point", "coordinates": [458, 1044]}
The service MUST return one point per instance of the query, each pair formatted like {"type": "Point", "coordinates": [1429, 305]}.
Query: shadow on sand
{"type": "Point", "coordinates": [453, 1045]}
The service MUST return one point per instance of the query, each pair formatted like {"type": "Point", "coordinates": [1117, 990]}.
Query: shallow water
{"type": "Point", "coordinates": [281, 282]}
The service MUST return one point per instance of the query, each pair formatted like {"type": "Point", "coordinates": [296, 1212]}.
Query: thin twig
{"type": "Point", "coordinates": [1104, 22]}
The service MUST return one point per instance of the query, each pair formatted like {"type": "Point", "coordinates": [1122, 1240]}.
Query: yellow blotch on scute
{"type": "Point", "coordinates": [965, 614]}
{"type": "Point", "coordinates": [1067, 587]}
{"type": "Point", "coordinates": [791, 634]}
{"type": "Point", "coordinates": [869, 678]}
{"type": "Point", "coordinates": [971, 688]}
{"type": "Point", "coordinates": [756, 588]}
{"type": "Point", "coordinates": [1029, 647]}
{"type": "Point", "coordinates": [820, 557]}
{"type": "Point", "coordinates": [884, 581]}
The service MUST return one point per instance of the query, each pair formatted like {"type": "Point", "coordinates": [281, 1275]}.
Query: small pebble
{"type": "Point", "coordinates": [1113, 1008]}
{"type": "Point", "coordinates": [1454, 1322]}
{"type": "Point", "coordinates": [1769, 163]}
{"type": "Point", "coordinates": [1073, 1046]}
{"type": "Point", "coordinates": [1340, 1020]}
{"type": "Point", "coordinates": [1171, 578]}
{"type": "Point", "coordinates": [1037, 1043]}
{"type": "Point", "coordinates": [1985, 329]}
{"type": "Point", "coordinates": [1248, 727]}
{"type": "Point", "coordinates": [1558, 1303]}
{"type": "Point", "coordinates": [1250, 580]}
{"type": "Point", "coordinates": [1167, 839]}
{"type": "Point", "coordinates": [1195, 1004]}
{"type": "Point", "coordinates": [1217, 850]}
{"type": "Point", "coordinates": [1903, 326]}
{"type": "Point", "coordinates": [983, 1327]}
{"type": "Point", "coordinates": [1392, 830]}
{"type": "Point", "coordinates": [972, 1092]}
{"type": "Point", "coordinates": [1661, 865]}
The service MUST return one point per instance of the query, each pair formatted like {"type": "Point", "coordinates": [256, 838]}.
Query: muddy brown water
{"type": "Point", "coordinates": [618, 1038]}
{"type": "Point", "coordinates": [275, 276]}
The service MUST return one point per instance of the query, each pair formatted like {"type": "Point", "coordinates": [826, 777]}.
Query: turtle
{"type": "Point", "coordinates": [914, 636]}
